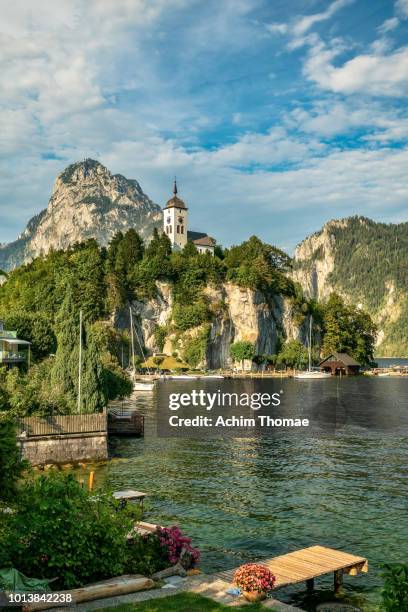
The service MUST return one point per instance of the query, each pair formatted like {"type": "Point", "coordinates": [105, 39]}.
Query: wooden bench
{"type": "Point", "coordinates": [129, 495]}
{"type": "Point", "coordinates": [307, 564]}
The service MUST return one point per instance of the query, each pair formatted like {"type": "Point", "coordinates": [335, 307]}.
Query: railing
{"type": "Point", "coordinates": [60, 425]}
{"type": "Point", "coordinates": [9, 356]}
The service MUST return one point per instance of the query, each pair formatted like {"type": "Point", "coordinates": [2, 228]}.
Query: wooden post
{"type": "Point", "coordinates": [91, 481]}
{"type": "Point", "coordinates": [80, 362]}
{"type": "Point", "coordinates": [338, 581]}
{"type": "Point", "coordinates": [310, 585]}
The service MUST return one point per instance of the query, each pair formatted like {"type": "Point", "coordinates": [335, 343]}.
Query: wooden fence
{"type": "Point", "coordinates": [60, 425]}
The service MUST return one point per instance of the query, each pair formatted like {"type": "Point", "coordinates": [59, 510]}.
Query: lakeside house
{"type": "Point", "coordinates": [175, 226]}
{"type": "Point", "coordinates": [340, 363]}
{"type": "Point", "coordinates": [13, 350]}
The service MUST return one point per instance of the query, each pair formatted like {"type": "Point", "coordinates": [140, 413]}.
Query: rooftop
{"type": "Point", "coordinates": [175, 201]}
{"type": "Point", "coordinates": [343, 357]}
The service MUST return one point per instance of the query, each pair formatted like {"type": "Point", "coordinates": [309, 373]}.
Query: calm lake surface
{"type": "Point", "coordinates": [242, 499]}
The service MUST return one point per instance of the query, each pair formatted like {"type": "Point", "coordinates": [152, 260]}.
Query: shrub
{"type": "Point", "coordinates": [61, 530]}
{"type": "Point", "coordinates": [195, 348]}
{"type": "Point", "coordinates": [172, 539]}
{"type": "Point", "coordinates": [11, 464]}
{"type": "Point", "coordinates": [160, 333]}
{"type": "Point", "coordinates": [395, 590]}
{"type": "Point", "coordinates": [188, 316]}
{"type": "Point", "coordinates": [146, 555]}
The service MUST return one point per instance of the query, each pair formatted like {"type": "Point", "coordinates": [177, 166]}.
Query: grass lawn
{"type": "Point", "coordinates": [184, 602]}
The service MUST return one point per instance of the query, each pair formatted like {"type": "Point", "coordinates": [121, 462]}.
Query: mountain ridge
{"type": "Point", "coordinates": [366, 262]}
{"type": "Point", "coordinates": [87, 201]}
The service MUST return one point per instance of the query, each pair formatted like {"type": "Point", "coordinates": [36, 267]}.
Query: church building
{"type": "Point", "coordinates": [175, 225]}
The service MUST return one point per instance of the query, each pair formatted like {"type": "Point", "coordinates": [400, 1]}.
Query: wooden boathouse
{"type": "Point", "coordinates": [340, 364]}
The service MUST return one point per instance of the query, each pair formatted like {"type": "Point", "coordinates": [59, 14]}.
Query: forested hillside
{"type": "Point", "coordinates": [367, 263]}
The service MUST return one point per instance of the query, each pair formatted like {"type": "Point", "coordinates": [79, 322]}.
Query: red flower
{"type": "Point", "coordinates": [254, 577]}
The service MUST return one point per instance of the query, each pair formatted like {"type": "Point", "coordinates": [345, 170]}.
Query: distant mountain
{"type": "Point", "coordinates": [366, 263]}
{"type": "Point", "coordinates": [87, 201]}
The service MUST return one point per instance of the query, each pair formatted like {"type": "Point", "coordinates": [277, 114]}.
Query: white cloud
{"type": "Point", "coordinates": [401, 8]}
{"type": "Point", "coordinates": [333, 117]}
{"type": "Point", "coordinates": [303, 24]}
{"type": "Point", "coordinates": [379, 75]}
{"type": "Point", "coordinates": [388, 25]}
{"type": "Point", "coordinates": [277, 28]}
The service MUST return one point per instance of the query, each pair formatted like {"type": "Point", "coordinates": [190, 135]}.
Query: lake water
{"type": "Point", "coordinates": [263, 495]}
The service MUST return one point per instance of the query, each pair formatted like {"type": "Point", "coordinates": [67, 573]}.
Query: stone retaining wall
{"type": "Point", "coordinates": [64, 448]}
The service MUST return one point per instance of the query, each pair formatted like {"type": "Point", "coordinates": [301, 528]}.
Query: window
{"type": "Point", "coordinates": [178, 229]}
{"type": "Point", "coordinates": [182, 229]}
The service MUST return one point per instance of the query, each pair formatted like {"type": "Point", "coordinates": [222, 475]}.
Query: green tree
{"type": "Point", "coordinates": [11, 464]}
{"type": "Point", "coordinates": [87, 280]}
{"type": "Point", "coordinates": [242, 350]}
{"type": "Point", "coordinates": [94, 395]}
{"type": "Point", "coordinates": [348, 329]}
{"type": "Point", "coordinates": [293, 355]}
{"type": "Point", "coordinates": [35, 328]}
{"type": "Point", "coordinates": [64, 374]}
{"type": "Point", "coordinates": [255, 264]}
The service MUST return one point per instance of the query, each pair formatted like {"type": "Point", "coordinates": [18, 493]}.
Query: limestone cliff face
{"type": "Point", "coordinates": [87, 201]}
{"type": "Point", "coordinates": [240, 314]}
{"type": "Point", "coordinates": [314, 261]}
{"type": "Point", "coordinates": [365, 262]}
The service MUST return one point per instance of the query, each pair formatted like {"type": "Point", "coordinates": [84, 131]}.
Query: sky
{"type": "Point", "coordinates": [274, 115]}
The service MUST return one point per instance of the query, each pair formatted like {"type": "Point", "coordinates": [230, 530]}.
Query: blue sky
{"type": "Point", "coordinates": [275, 116]}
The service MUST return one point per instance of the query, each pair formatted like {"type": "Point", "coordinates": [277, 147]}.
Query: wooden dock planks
{"type": "Point", "coordinates": [308, 563]}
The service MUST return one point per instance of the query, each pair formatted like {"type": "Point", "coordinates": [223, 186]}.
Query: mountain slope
{"type": "Point", "coordinates": [367, 263]}
{"type": "Point", "coordinates": [87, 202]}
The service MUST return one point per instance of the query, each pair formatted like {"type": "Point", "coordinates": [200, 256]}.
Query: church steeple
{"type": "Point", "coordinates": [175, 220]}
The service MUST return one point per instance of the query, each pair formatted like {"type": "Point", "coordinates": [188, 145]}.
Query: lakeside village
{"type": "Point", "coordinates": [65, 368]}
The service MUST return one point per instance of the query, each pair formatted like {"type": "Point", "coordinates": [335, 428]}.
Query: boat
{"type": "Point", "coordinates": [183, 377]}
{"type": "Point", "coordinates": [212, 376]}
{"type": "Point", "coordinates": [142, 385]}
{"type": "Point", "coordinates": [311, 374]}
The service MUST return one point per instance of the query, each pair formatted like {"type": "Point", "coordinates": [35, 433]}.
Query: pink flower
{"type": "Point", "coordinates": [254, 577]}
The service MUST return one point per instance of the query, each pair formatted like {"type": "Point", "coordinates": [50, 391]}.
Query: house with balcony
{"type": "Point", "coordinates": [13, 350]}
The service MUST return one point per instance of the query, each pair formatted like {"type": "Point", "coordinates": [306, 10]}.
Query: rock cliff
{"type": "Point", "coordinates": [240, 314]}
{"type": "Point", "coordinates": [87, 201]}
{"type": "Point", "coordinates": [367, 264]}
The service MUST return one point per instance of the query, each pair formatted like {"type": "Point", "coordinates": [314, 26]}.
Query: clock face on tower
{"type": "Point", "coordinates": [168, 220]}
{"type": "Point", "coordinates": [180, 220]}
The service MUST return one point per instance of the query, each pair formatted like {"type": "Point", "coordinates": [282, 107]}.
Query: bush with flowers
{"type": "Point", "coordinates": [254, 577]}
{"type": "Point", "coordinates": [172, 539]}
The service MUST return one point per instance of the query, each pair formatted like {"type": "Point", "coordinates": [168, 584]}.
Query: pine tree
{"type": "Point", "coordinates": [64, 373]}
{"type": "Point", "coordinates": [93, 394]}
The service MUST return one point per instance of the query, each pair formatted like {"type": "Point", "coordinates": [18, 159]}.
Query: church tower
{"type": "Point", "coordinates": [175, 220]}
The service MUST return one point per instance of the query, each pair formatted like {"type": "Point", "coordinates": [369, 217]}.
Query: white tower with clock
{"type": "Point", "coordinates": [175, 220]}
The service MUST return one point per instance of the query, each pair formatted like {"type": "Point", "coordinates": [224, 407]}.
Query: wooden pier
{"type": "Point", "coordinates": [125, 422]}
{"type": "Point", "coordinates": [307, 564]}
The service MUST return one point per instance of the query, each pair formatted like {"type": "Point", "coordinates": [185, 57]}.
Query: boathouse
{"type": "Point", "coordinates": [340, 363]}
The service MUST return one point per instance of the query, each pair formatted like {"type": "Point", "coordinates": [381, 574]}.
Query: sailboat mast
{"type": "Point", "coordinates": [132, 339]}
{"type": "Point", "coordinates": [310, 343]}
{"type": "Point", "coordinates": [80, 362]}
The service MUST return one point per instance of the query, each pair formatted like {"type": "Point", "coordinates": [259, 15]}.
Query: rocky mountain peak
{"type": "Point", "coordinates": [87, 201]}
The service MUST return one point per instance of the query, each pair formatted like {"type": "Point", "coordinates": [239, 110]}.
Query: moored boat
{"type": "Point", "coordinates": [312, 375]}
{"type": "Point", "coordinates": [142, 385]}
